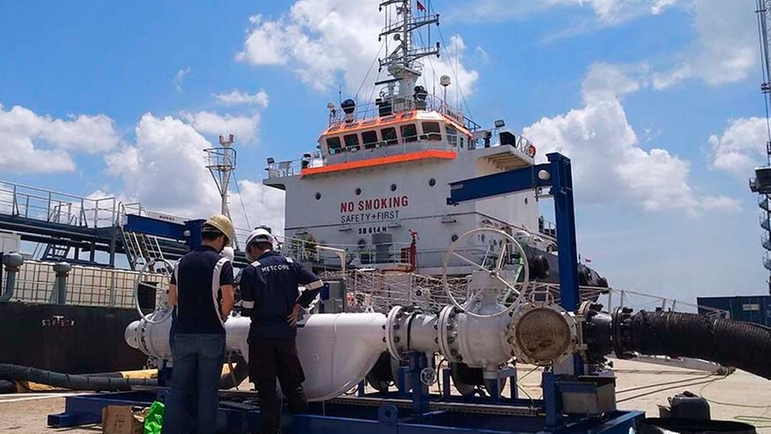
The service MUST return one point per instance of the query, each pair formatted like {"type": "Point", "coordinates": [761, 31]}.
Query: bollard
{"type": "Point", "coordinates": [12, 262]}
{"type": "Point", "coordinates": [59, 295]}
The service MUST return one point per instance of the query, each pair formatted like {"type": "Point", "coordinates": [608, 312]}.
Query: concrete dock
{"type": "Point", "coordinates": [640, 386]}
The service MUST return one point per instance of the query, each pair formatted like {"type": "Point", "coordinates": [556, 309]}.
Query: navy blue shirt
{"type": "Point", "coordinates": [199, 278]}
{"type": "Point", "coordinates": [270, 286]}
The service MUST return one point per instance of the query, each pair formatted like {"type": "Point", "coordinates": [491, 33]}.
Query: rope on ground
{"type": "Point", "coordinates": [667, 383]}
{"type": "Point", "coordinates": [754, 420]}
{"type": "Point", "coordinates": [711, 401]}
{"type": "Point", "coordinates": [653, 392]}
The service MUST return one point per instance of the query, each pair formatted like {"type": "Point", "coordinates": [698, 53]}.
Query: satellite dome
{"type": "Point", "coordinates": [348, 106]}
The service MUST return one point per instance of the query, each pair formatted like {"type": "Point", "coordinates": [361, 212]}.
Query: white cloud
{"type": "Point", "coordinates": [214, 124]}
{"type": "Point", "coordinates": [610, 165]}
{"type": "Point", "coordinates": [30, 143]}
{"type": "Point", "coordinates": [605, 81]}
{"type": "Point", "coordinates": [165, 172]}
{"type": "Point", "coordinates": [725, 50]}
{"type": "Point", "coordinates": [605, 12]}
{"type": "Point", "coordinates": [179, 78]}
{"type": "Point", "coordinates": [236, 97]}
{"type": "Point", "coordinates": [325, 40]}
{"type": "Point", "coordinates": [741, 147]}
{"type": "Point", "coordinates": [264, 205]}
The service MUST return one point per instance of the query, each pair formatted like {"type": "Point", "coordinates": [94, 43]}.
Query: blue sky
{"type": "Point", "coordinates": [656, 101]}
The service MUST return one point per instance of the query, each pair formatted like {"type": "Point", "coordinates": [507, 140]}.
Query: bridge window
{"type": "Point", "coordinates": [452, 136]}
{"type": "Point", "coordinates": [432, 131]}
{"type": "Point", "coordinates": [389, 136]}
{"type": "Point", "coordinates": [333, 143]}
{"type": "Point", "coordinates": [369, 139]}
{"type": "Point", "coordinates": [351, 141]}
{"type": "Point", "coordinates": [410, 133]}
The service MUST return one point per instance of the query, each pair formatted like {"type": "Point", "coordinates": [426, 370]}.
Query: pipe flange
{"type": "Point", "coordinates": [542, 333]}
{"type": "Point", "coordinates": [622, 333]}
{"type": "Point", "coordinates": [396, 333]}
{"type": "Point", "coordinates": [448, 334]}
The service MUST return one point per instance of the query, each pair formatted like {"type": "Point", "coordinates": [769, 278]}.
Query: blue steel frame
{"type": "Point", "coordinates": [418, 419]}
{"type": "Point", "coordinates": [560, 180]}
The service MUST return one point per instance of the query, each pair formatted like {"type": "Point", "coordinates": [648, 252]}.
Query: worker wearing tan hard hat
{"type": "Point", "coordinates": [222, 224]}
{"type": "Point", "coordinates": [201, 289]}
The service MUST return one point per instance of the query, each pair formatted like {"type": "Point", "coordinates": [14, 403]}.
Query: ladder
{"type": "Point", "coordinates": [56, 250]}
{"type": "Point", "coordinates": [141, 248]}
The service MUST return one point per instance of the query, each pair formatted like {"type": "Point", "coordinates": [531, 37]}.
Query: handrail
{"type": "Point", "coordinates": [52, 206]}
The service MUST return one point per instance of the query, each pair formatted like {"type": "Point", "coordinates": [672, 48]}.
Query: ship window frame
{"type": "Point", "coordinates": [452, 135]}
{"type": "Point", "coordinates": [411, 138]}
{"type": "Point", "coordinates": [432, 136]}
{"type": "Point", "coordinates": [355, 146]}
{"type": "Point", "coordinates": [334, 149]}
{"type": "Point", "coordinates": [390, 142]}
{"type": "Point", "coordinates": [370, 144]}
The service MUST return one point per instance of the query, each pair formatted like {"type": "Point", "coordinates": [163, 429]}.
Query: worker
{"type": "Point", "coordinates": [271, 297]}
{"type": "Point", "coordinates": [201, 288]}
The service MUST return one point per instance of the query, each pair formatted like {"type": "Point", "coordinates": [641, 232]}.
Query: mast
{"type": "Point", "coordinates": [221, 162]}
{"type": "Point", "coordinates": [402, 63]}
{"type": "Point", "coordinates": [761, 184]}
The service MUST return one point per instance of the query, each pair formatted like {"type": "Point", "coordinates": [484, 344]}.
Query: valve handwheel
{"type": "Point", "coordinates": [494, 287]}
{"type": "Point", "coordinates": [165, 309]}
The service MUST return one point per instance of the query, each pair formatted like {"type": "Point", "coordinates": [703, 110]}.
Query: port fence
{"type": "Point", "coordinates": [86, 286]}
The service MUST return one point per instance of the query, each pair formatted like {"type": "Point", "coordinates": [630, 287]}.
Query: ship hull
{"type": "Point", "coordinates": [67, 338]}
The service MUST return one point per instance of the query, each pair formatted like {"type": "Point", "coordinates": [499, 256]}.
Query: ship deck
{"type": "Point", "coordinates": [640, 386]}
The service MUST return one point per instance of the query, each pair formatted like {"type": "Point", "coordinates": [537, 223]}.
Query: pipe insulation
{"type": "Point", "coordinates": [72, 382]}
{"type": "Point", "coordinates": [738, 344]}
{"type": "Point", "coordinates": [336, 350]}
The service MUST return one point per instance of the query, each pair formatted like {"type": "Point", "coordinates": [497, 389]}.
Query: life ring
{"type": "Point", "coordinates": [531, 151]}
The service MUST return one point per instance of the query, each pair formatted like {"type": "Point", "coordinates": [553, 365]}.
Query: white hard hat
{"type": "Point", "coordinates": [229, 252]}
{"type": "Point", "coordinates": [259, 235]}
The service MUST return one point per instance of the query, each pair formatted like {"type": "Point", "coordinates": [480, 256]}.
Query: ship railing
{"type": "Point", "coordinates": [291, 167]}
{"type": "Point", "coordinates": [360, 256]}
{"type": "Point", "coordinates": [86, 286]}
{"type": "Point", "coordinates": [382, 149]}
{"type": "Point", "coordinates": [616, 297]}
{"type": "Point", "coordinates": [401, 105]}
{"type": "Point", "coordinates": [546, 227]}
{"type": "Point", "coordinates": [357, 153]}
{"type": "Point", "coordinates": [35, 203]}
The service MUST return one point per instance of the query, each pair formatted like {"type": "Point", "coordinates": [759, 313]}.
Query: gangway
{"type": "Point", "coordinates": [75, 228]}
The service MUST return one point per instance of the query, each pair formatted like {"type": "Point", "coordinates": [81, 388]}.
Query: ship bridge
{"type": "Point", "coordinates": [407, 136]}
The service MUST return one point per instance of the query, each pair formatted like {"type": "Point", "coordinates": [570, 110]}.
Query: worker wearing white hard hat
{"type": "Point", "coordinates": [271, 297]}
{"type": "Point", "coordinates": [201, 288]}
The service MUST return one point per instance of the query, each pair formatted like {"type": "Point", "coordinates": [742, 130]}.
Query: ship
{"type": "Point", "coordinates": [367, 209]}
{"type": "Point", "coordinates": [373, 195]}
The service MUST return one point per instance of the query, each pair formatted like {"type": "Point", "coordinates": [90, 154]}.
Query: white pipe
{"type": "Point", "coordinates": [336, 350]}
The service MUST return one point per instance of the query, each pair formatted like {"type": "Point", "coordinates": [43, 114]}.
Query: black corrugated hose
{"type": "Point", "coordinates": [72, 382]}
{"type": "Point", "coordinates": [738, 344]}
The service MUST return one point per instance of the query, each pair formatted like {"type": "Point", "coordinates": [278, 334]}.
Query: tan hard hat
{"type": "Point", "coordinates": [223, 224]}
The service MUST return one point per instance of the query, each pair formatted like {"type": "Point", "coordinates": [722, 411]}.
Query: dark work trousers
{"type": "Point", "coordinates": [268, 359]}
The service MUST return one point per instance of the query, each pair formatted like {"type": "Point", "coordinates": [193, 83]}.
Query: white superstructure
{"type": "Point", "coordinates": [380, 177]}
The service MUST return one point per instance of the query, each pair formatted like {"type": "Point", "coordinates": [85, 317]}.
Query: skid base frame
{"type": "Point", "coordinates": [382, 416]}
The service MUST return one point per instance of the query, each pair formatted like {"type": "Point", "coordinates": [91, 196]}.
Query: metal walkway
{"type": "Point", "coordinates": [75, 228]}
